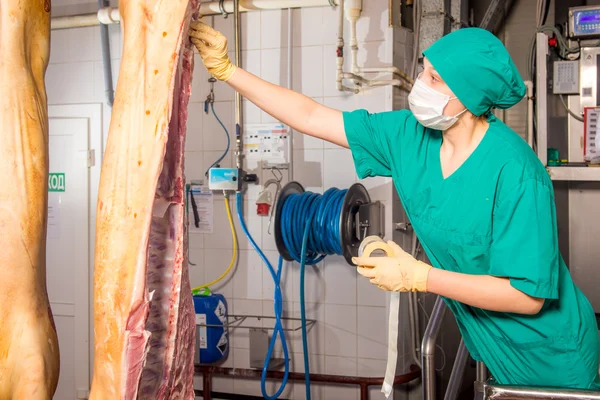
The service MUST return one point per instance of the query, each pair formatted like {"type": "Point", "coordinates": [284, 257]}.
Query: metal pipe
{"type": "Point", "coordinates": [481, 372]}
{"type": "Point", "coordinates": [418, 338]}
{"type": "Point", "coordinates": [458, 370]}
{"type": "Point", "coordinates": [391, 70]}
{"type": "Point", "coordinates": [106, 62]}
{"type": "Point", "coordinates": [522, 392]}
{"type": "Point", "coordinates": [364, 383]}
{"type": "Point", "coordinates": [541, 97]}
{"type": "Point", "coordinates": [416, 38]}
{"type": "Point", "coordinates": [289, 86]}
{"type": "Point", "coordinates": [413, 328]}
{"type": "Point", "coordinates": [481, 376]}
{"type": "Point", "coordinates": [212, 7]}
{"type": "Point", "coordinates": [374, 83]}
{"type": "Point", "coordinates": [529, 85]}
{"type": "Point", "coordinates": [340, 52]}
{"type": "Point", "coordinates": [364, 391]}
{"type": "Point", "coordinates": [74, 21]}
{"type": "Point", "coordinates": [416, 305]}
{"type": "Point", "coordinates": [413, 311]}
{"type": "Point", "coordinates": [105, 15]}
{"type": "Point", "coordinates": [428, 349]}
{"type": "Point", "coordinates": [360, 82]}
{"type": "Point", "coordinates": [354, 47]}
{"type": "Point", "coordinates": [238, 97]}
{"type": "Point", "coordinates": [225, 396]}
{"type": "Point", "coordinates": [208, 8]}
{"type": "Point", "coordinates": [207, 385]}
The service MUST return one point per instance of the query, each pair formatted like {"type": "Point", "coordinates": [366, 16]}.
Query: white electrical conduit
{"type": "Point", "coordinates": [357, 72]}
{"type": "Point", "coordinates": [354, 45]}
{"type": "Point", "coordinates": [111, 15]}
{"type": "Point", "coordinates": [340, 57]}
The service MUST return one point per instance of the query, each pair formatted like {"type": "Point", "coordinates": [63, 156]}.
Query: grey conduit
{"type": "Point", "coordinates": [239, 115]}
{"type": "Point", "coordinates": [106, 63]}
{"type": "Point", "coordinates": [458, 370]}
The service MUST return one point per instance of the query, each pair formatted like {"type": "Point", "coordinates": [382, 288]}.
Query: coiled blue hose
{"type": "Point", "coordinates": [318, 217]}
{"type": "Point", "coordinates": [278, 300]}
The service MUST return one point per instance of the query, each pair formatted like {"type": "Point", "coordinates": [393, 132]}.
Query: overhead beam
{"type": "Point", "coordinates": [111, 15]}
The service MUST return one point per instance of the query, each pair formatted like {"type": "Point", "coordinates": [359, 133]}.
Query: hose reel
{"type": "Point", "coordinates": [359, 218]}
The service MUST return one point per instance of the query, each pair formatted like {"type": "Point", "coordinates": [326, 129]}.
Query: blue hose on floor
{"type": "Point", "coordinates": [310, 226]}
{"type": "Point", "coordinates": [278, 300]}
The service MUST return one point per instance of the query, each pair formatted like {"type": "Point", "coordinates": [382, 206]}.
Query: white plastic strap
{"type": "Point", "coordinates": [368, 246]}
{"type": "Point", "coordinates": [390, 371]}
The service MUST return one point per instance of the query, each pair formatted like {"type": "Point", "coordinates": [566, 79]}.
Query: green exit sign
{"type": "Point", "coordinates": [56, 182]}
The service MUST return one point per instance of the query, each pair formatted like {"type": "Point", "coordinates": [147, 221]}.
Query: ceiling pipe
{"type": "Point", "coordinates": [106, 58]}
{"type": "Point", "coordinates": [239, 151]}
{"type": "Point", "coordinates": [111, 15]}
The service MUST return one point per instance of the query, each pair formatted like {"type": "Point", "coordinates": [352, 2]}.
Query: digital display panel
{"type": "Point", "coordinates": [586, 22]}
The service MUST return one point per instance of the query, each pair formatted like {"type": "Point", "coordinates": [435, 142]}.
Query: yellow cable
{"type": "Point", "coordinates": [233, 257]}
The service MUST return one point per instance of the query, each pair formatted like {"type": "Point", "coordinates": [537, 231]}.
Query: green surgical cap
{"type": "Point", "coordinates": [478, 69]}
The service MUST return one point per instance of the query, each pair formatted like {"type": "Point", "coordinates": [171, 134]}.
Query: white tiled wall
{"type": "Point", "coordinates": [350, 334]}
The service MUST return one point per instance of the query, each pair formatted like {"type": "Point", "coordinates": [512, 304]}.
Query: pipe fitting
{"type": "Point", "coordinates": [109, 15]}
{"type": "Point", "coordinates": [352, 14]}
{"type": "Point", "coordinates": [222, 8]}
{"type": "Point", "coordinates": [353, 9]}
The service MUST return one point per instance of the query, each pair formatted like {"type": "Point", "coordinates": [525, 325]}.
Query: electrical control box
{"type": "Point", "coordinates": [584, 22]}
{"type": "Point", "coordinates": [268, 144]}
{"type": "Point", "coordinates": [566, 77]}
{"type": "Point", "coordinates": [591, 150]}
{"type": "Point", "coordinates": [224, 179]}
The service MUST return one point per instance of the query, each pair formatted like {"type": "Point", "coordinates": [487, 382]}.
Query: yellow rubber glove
{"type": "Point", "coordinates": [399, 272]}
{"type": "Point", "coordinates": [212, 46]}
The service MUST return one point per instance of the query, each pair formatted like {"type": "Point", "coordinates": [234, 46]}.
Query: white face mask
{"type": "Point", "coordinates": [427, 105]}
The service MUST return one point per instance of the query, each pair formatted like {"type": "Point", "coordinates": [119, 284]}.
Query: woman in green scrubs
{"type": "Point", "coordinates": [477, 196]}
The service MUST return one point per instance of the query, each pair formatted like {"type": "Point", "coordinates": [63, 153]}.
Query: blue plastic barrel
{"type": "Point", "coordinates": [212, 342]}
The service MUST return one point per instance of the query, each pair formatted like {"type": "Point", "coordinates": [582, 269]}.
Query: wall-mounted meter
{"type": "Point", "coordinates": [584, 22]}
{"type": "Point", "coordinates": [566, 77]}
{"type": "Point", "coordinates": [588, 76]}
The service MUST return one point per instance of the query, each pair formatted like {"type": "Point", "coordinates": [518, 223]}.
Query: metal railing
{"type": "Point", "coordinates": [491, 391]}
{"type": "Point", "coordinates": [428, 349]}
{"type": "Point", "coordinates": [484, 388]}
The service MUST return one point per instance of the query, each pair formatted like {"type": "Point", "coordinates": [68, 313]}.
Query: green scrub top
{"type": "Point", "coordinates": [495, 215]}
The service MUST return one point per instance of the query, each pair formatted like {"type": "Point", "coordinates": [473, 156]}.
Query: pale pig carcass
{"type": "Point", "coordinates": [29, 360]}
{"type": "Point", "coordinates": [143, 311]}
